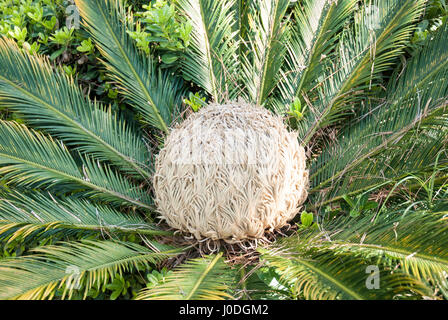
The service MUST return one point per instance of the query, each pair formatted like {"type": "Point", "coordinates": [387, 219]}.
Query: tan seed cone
{"type": "Point", "coordinates": [230, 172]}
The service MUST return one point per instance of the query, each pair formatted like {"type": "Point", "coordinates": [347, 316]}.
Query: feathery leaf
{"type": "Point", "coordinates": [393, 139]}
{"type": "Point", "coordinates": [26, 214]}
{"type": "Point", "coordinates": [155, 93]}
{"type": "Point", "coordinates": [66, 265]}
{"type": "Point", "coordinates": [198, 279]}
{"type": "Point", "coordinates": [211, 59]}
{"type": "Point", "coordinates": [50, 100]}
{"type": "Point", "coordinates": [28, 158]}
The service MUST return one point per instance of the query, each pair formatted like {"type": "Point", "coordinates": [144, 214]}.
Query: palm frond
{"type": "Point", "coordinates": [408, 248]}
{"type": "Point", "coordinates": [155, 93]}
{"type": "Point", "coordinates": [255, 283]}
{"type": "Point", "coordinates": [413, 240]}
{"type": "Point", "coordinates": [427, 66]}
{"type": "Point", "coordinates": [211, 59]}
{"type": "Point", "coordinates": [68, 265]}
{"type": "Point", "coordinates": [50, 100]}
{"type": "Point", "coordinates": [324, 275]}
{"type": "Point", "coordinates": [198, 279]}
{"type": "Point", "coordinates": [28, 158]}
{"type": "Point", "coordinates": [265, 48]}
{"type": "Point", "coordinates": [401, 136]}
{"type": "Point", "coordinates": [380, 32]}
{"type": "Point", "coordinates": [313, 37]}
{"type": "Point", "coordinates": [29, 214]}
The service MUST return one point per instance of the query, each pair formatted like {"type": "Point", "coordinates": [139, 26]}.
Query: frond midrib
{"type": "Point", "coordinates": [134, 72]}
{"type": "Point", "coordinates": [80, 126]}
{"type": "Point", "coordinates": [376, 186]}
{"type": "Point", "coordinates": [64, 225]}
{"type": "Point", "coordinates": [312, 56]}
{"type": "Point", "coordinates": [262, 83]}
{"type": "Point", "coordinates": [345, 84]}
{"type": "Point", "coordinates": [55, 279]}
{"type": "Point", "coordinates": [424, 79]}
{"type": "Point", "coordinates": [329, 278]}
{"type": "Point", "coordinates": [209, 56]}
{"type": "Point", "coordinates": [203, 275]}
{"type": "Point", "coordinates": [404, 252]}
{"type": "Point", "coordinates": [78, 180]}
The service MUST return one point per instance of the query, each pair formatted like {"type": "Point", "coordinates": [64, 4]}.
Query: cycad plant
{"type": "Point", "coordinates": [76, 174]}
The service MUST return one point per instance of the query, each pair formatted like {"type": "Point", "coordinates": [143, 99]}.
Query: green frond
{"type": "Point", "coordinates": [408, 247]}
{"type": "Point", "coordinates": [255, 283]}
{"type": "Point", "coordinates": [265, 48]}
{"type": "Point", "coordinates": [319, 274]}
{"type": "Point", "coordinates": [430, 64]}
{"type": "Point", "coordinates": [28, 214]}
{"type": "Point", "coordinates": [153, 92]}
{"type": "Point", "coordinates": [402, 136]}
{"type": "Point", "coordinates": [380, 32]}
{"type": "Point", "coordinates": [422, 155]}
{"type": "Point", "coordinates": [313, 36]}
{"type": "Point", "coordinates": [211, 59]}
{"type": "Point", "coordinates": [28, 158]}
{"type": "Point", "coordinates": [78, 173]}
{"type": "Point", "coordinates": [67, 265]}
{"type": "Point", "coordinates": [50, 100]}
{"type": "Point", "coordinates": [198, 279]}
{"type": "Point", "coordinates": [416, 241]}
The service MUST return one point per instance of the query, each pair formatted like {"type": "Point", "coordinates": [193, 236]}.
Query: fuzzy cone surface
{"type": "Point", "coordinates": [230, 172]}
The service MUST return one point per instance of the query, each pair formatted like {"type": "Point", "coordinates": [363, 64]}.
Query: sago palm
{"type": "Point", "coordinates": [373, 122]}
